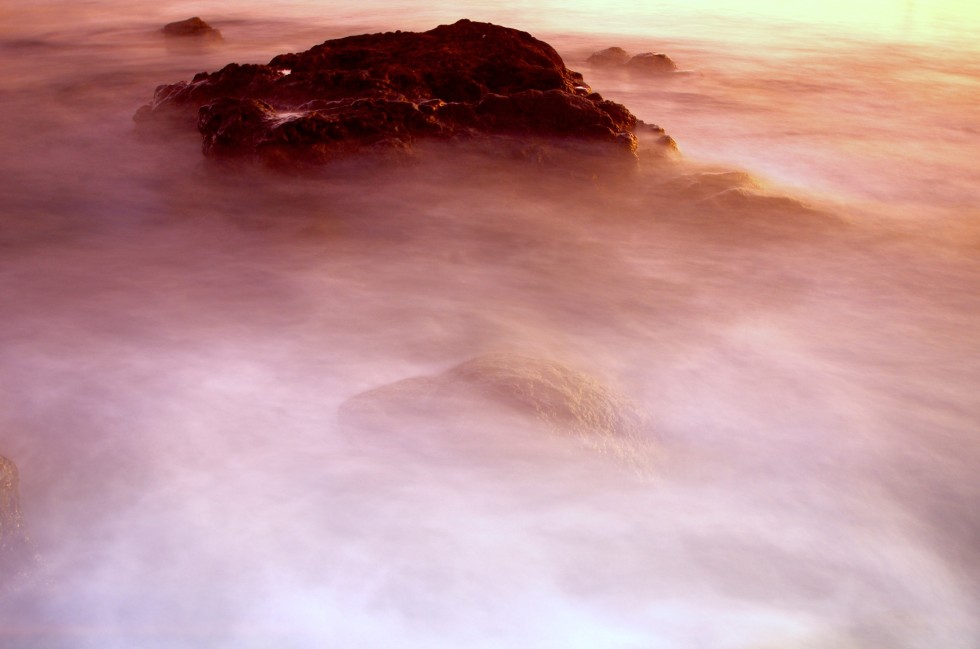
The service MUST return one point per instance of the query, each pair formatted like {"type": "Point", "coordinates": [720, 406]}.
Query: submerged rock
{"type": "Point", "coordinates": [609, 57]}
{"type": "Point", "coordinates": [563, 398]}
{"type": "Point", "coordinates": [16, 553]}
{"type": "Point", "coordinates": [648, 62]}
{"type": "Point", "coordinates": [194, 28]}
{"type": "Point", "coordinates": [534, 392]}
{"type": "Point", "coordinates": [651, 62]}
{"type": "Point", "coordinates": [386, 90]}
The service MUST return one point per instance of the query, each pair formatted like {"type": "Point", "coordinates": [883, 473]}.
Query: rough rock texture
{"type": "Point", "coordinates": [16, 553]}
{"type": "Point", "coordinates": [648, 62]}
{"type": "Point", "coordinates": [567, 402]}
{"type": "Point", "coordinates": [192, 28]}
{"type": "Point", "coordinates": [386, 90]}
{"type": "Point", "coordinates": [734, 190]}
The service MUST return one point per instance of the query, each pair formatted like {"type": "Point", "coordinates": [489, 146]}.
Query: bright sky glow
{"type": "Point", "coordinates": [954, 23]}
{"type": "Point", "coordinates": [901, 20]}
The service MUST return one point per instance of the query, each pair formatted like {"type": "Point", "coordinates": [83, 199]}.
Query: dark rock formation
{"type": "Point", "coordinates": [386, 90]}
{"type": "Point", "coordinates": [650, 62]}
{"type": "Point", "coordinates": [609, 57]}
{"type": "Point", "coordinates": [192, 28]}
{"type": "Point", "coordinates": [541, 392]}
{"type": "Point", "coordinates": [646, 62]}
{"type": "Point", "coordinates": [16, 553]}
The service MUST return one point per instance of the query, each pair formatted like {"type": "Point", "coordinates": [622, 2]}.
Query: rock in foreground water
{"type": "Point", "coordinates": [385, 91]}
{"type": "Point", "coordinates": [16, 553]}
{"type": "Point", "coordinates": [530, 394]}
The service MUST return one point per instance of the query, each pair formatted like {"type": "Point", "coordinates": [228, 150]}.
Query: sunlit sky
{"type": "Point", "coordinates": [902, 20]}
{"type": "Point", "coordinates": [950, 22]}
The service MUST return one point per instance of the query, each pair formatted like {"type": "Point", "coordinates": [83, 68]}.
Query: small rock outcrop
{"type": "Point", "coordinates": [192, 28]}
{"type": "Point", "coordinates": [561, 397]}
{"type": "Point", "coordinates": [609, 57]}
{"type": "Point", "coordinates": [543, 392]}
{"type": "Point", "coordinates": [651, 62]}
{"type": "Point", "coordinates": [387, 90]}
{"type": "Point", "coordinates": [16, 552]}
{"type": "Point", "coordinates": [645, 62]}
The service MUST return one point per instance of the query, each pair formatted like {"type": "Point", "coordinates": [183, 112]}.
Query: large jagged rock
{"type": "Point", "coordinates": [386, 90]}
{"type": "Point", "coordinates": [16, 553]}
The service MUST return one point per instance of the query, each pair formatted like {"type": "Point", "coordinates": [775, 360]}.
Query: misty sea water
{"type": "Point", "coordinates": [785, 315]}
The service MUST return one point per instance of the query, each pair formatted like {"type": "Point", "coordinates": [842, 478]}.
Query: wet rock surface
{"type": "Point", "coordinates": [16, 554]}
{"type": "Point", "coordinates": [386, 90]}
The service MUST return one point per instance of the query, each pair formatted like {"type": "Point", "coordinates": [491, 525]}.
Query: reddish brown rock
{"type": "Point", "coordinates": [191, 28]}
{"type": "Point", "coordinates": [651, 62]}
{"type": "Point", "coordinates": [609, 57]}
{"type": "Point", "coordinates": [648, 62]}
{"type": "Point", "coordinates": [456, 81]}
